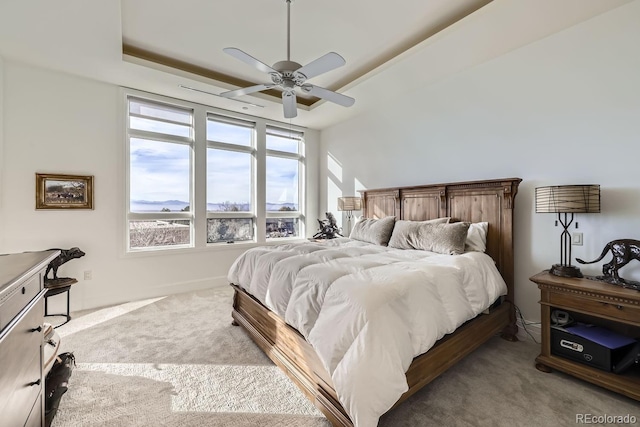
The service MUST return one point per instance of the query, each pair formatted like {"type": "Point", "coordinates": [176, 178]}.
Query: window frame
{"type": "Point", "coordinates": [198, 213]}
{"type": "Point", "coordinates": [300, 157]}
{"type": "Point", "coordinates": [252, 151]}
{"type": "Point", "coordinates": [165, 139]}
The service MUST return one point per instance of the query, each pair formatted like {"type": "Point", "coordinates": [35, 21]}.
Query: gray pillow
{"type": "Point", "coordinates": [406, 232]}
{"type": "Point", "coordinates": [440, 238]}
{"type": "Point", "coordinates": [372, 230]}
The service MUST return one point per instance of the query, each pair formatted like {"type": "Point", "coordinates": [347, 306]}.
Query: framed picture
{"type": "Point", "coordinates": [64, 191]}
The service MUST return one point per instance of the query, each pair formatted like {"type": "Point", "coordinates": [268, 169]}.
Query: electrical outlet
{"type": "Point", "coordinates": [87, 275]}
{"type": "Point", "coordinates": [576, 239]}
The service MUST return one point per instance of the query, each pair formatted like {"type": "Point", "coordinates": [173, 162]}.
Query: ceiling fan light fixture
{"type": "Point", "coordinates": [283, 66]}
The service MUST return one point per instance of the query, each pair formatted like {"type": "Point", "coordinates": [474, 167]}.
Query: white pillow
{"type": "Point", "coordinates": [477, 237]}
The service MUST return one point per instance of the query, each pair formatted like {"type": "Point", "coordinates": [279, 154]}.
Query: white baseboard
{"type": "Point", "coordinates": [140, 293]}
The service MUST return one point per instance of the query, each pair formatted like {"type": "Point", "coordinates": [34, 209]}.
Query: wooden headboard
{"type": "Point", "coordinates": [473, 201]}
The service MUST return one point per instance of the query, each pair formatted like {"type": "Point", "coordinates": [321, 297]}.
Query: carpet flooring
{"type": "Point", "coordinates": [177, 361]}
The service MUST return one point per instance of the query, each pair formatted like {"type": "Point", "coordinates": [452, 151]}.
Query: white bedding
{"type": "Point", "coordinates": [368, 310]}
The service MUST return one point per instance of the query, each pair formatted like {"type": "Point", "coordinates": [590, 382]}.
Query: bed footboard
{"type": "Point", "coordinates": [295, 356]}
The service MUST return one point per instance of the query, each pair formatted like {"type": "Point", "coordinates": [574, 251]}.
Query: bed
{"type": "Point", "coordinates": [490, 201]}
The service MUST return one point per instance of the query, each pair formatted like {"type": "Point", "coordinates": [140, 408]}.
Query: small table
{"type": "Point", "coordinates": [56, 287]}
{"type": "Point", "coordinates": [599, 303]}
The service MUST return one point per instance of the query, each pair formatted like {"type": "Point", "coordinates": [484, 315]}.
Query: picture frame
{"type": "Point", "coordinates": [57, 191]}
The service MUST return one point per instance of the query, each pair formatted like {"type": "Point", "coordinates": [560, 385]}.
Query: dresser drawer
{"type": "Point", "coordinates": [21, 375]}
{"type": "Point", "coordinates": [17, 297]}
{"type": "Point", "coordinates": [37, 414]}
{"type": "Point", "coordinates": [619, 311]}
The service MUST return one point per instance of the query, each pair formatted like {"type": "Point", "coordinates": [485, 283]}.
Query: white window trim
{"type": "Point", "coordinates": [248, 149]}
{"type": "Point", "coordinates": [173, 139]}
{"type": "Point", "coordinates": [300, 157]}
{"type": "Point", "coordinates": [198, 212]}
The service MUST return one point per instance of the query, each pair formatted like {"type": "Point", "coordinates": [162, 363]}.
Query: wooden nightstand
{"type": "Point", "coordinates": [610, 306]}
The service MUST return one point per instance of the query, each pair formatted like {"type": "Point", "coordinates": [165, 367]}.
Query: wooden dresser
{"type": "Point", "coordinates": [594, 302]}
{"type": "Point", "coordinates": [21, 337]}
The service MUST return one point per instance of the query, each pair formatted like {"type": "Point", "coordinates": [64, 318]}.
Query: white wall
{"type": "Point", "coordinates": [563, 110]}
{"type": "Point", "coordinates": [58, 123]}
{"type": "Point", "coordinates": [2, 180]}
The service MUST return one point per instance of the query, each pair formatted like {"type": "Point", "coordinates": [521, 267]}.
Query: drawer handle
{"type": "Point", "coordinates": [619, 307]}
{"type": "Point", "coordinates": [36, 382]}
{"type": "Point", "coordinates": [24, 290]}
{"type": "Point", "coordinates": [38, 329]}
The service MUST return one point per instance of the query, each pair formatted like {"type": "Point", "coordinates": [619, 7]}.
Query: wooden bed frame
{"type": "Point", "coordinates": [476, 201]}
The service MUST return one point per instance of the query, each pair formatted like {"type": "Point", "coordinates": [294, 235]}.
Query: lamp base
{"type": "Point", "coordinates": [565, 270]}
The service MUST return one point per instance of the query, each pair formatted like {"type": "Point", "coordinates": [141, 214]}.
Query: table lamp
{"type": "Point", "coordinates": [349, 204]}
{"type": "Point", "coordinates": [565, 200]}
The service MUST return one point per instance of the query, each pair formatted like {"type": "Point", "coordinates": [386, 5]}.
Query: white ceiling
{"type": "Point", "coordinates": [195, 31]}
{"type": "Point", "coordinates": [389, 47]}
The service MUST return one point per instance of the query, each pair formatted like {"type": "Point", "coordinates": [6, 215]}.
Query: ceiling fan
{"type": "Point", "coordinates": [288, 75]}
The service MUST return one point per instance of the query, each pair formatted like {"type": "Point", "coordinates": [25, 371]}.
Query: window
{"type": "Point", "coordinates": [230, 171]}
{"type": "Point", "coordinates": [283, 182]}
{"type": "Point", "coordinates": [160, 141]}
{"type": "Point", "coordinates": [199, 176]}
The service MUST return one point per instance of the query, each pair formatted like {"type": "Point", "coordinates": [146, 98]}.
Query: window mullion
{"type": "Point", "coordinates": [160, 216]}
{"type": "Point", "coordinates": [230, 147]}
{"type": "Point", "coordinates": [261, 180]}
{"type": "Point", "coordinates": [158, 119]}
{"type": "Point", "coordinates": [200, 178]}
{"type": "Point", "coordinates": [284, 154]}
{"type": "Point", "coordinates": [160, 137]}
{"type": "Point", "coordinates": [230, 215]}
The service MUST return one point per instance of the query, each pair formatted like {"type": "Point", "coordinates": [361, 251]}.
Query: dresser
{"type": "Point", "coordinates": [593, 302]}
{"type": "Point", "coordinates": [21, 337]}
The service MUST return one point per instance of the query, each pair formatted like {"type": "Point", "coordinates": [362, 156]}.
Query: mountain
{"type": "Point", "coordinates": [178, 205]}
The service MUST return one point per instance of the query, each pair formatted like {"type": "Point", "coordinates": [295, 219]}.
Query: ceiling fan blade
{"type": "Point", "coordinates": [320, 92]}
{"type": "Point", "coordinates": [246, 90]}
{"type": "Point", "coordinates": [289, 104]}
{"type": "Point", "coordinates": [248, 59]}
{"type": "Point", "coordinates": [325, 63]}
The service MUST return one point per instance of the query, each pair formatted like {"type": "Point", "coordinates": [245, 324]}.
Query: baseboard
{"type": "Point", "coordinates": [534, 335]}
{"type": "Point", "coordinates": [140, 293]}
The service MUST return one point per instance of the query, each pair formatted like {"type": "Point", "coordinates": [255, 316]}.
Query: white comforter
{"type": "Point", "coordinates": [368, 310]}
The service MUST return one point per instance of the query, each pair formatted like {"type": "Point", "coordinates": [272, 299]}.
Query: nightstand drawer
{"type": "Point", "coordinates": [624, 312]}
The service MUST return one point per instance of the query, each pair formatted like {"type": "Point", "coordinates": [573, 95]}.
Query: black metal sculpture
{"type": "Point", "coordinates": [328, 228]}
{"type": "Point", "coordinates": [623, 251]}
{"type": "Point", "coordinates": [65, 255]}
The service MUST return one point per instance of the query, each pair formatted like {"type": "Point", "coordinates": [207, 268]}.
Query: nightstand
{"type": "Point", "coordinates": [598, 303]}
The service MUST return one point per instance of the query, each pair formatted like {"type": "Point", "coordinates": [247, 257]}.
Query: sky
{"type": "Point", "coordinates": [160, 170]}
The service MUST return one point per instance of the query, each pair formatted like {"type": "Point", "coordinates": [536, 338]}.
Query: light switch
{"type": "Point", "coordinates": [576, 239]}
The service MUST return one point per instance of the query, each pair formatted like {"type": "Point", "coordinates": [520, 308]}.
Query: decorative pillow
{"type": "Point", "coordinates": [372, 230]}
{"type": "Point", "coordinates": [405, 232]}
{"type": "Point", "coordinates": [477, 237]}
{"type": "Point", "coordinates": [440, 238]}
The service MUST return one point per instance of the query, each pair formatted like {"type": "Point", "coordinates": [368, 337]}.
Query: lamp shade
{"type": "Point", "coordinates": [568, 198]}
{"type": "Point", "coordinates": [349, 203]}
